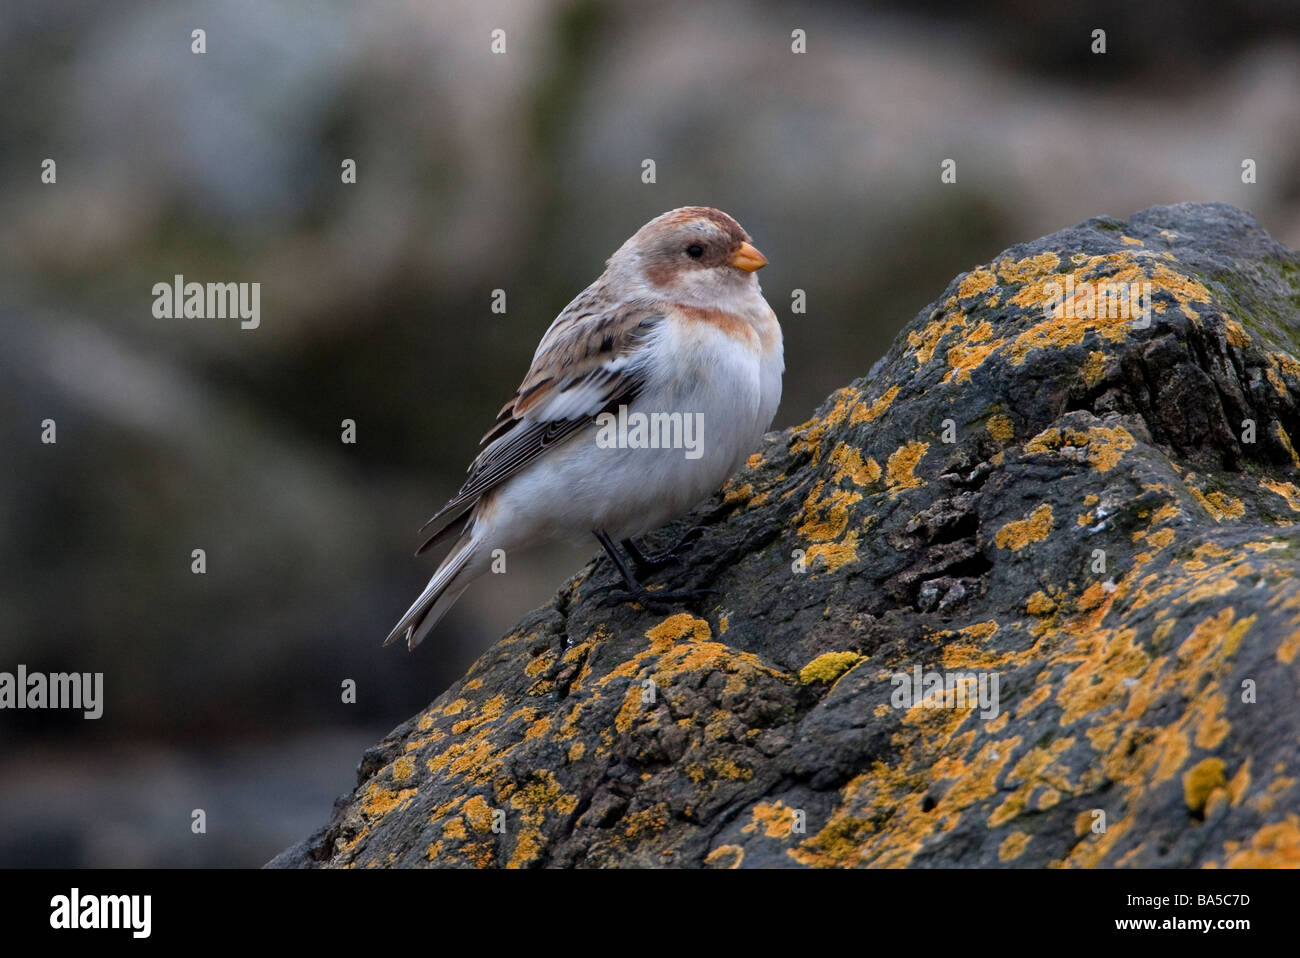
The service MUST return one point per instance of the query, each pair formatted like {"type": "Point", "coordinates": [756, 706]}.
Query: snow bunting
{"type": "Point", "coordinates": [645, 394]}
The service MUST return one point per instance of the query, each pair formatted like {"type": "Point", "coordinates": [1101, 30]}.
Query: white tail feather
{"type": "Point", "coordinates": [438, 596]}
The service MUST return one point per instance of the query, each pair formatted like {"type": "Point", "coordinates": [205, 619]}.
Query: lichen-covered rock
{"type": "Point", "coordinates": [1097, 511]}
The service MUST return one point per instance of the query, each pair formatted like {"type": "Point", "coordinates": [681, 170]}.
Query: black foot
{"type": "Point", "coordinates": [660, 560]}
{"type": "Point", "coordinates": [634, 591]}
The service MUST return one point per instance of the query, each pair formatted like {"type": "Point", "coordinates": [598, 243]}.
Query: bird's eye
{"type": "Point", "coordinates": [695, 251]}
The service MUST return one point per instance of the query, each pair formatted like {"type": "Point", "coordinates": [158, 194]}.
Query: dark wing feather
{"type": "Point", "coordinates": [586, 364]}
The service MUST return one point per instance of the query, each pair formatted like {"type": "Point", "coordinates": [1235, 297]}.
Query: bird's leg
{"type": "Point", "coordinates": [654, 601]}
{"type": "Point", "coordinates": [660, 560]}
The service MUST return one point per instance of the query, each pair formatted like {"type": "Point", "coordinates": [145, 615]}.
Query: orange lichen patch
{"type": "Point", "coordinates": [864, 413]}
{"type": "Point", "coordinates": [1036, 768]}
{"type": "Point", "coordinates": [491, 711]}
{"type": "Point", "coordinates": [1107, 663]}
{"type": "Point", "coordinates": [1273, 846]}
{"type": "Point", "coordinates": [540, 664]}
{"type": "Point", "coordinates": [1264, 803]}
{"type": "Point", "coordinates": [379, 801]}
{"type": "Point", "coordinates": [576, 751]}
{"type": "Point", "coordinates": [1111, 668]}
{"type": "Point", "coordinates": [830, 556]}
{"type": "Point", "coordinates": [542, 795]}
{"type": "Point", "coordinates": [725, 856]}
{"type": "Point", "coordinates": [980, 631]}
{"type": "Point", "coordinates": [648, 821]}
{"type": "Point", "coordinates": [967, 655]}
{"type": "Point", "coordinates": [901, 468]}
{"type": "Point", "coordinates": [978, 280]}
{"type": "Point", "coordinates": [1130, 241]}
{"type": "Point", "coordinates": [403, 768]}
{"type": "Point", "coordinates": [1001, 429]}
{"type": "Point", "coordinates": [455, 828]}
{"type": "Point", "coordinates": [1286, 490]}
{"type": "Point", "coordinates": [1035, 698]}
{"type": "Point", "coordinates": [1218, 504]}
{"type": "Point", "coordinates": [1105, 445]}
{"type": "Point", "coordinates": [1067, 324]}
{"type": "Point", "coordinates": [1235, 334]}
{"type": "Point", "coordinates": [969, 354]}
{"type": "Point", "coordinates": [852, 836]}
{"type": "Point", "coordinates": [738, 495]}
{"type": "Point", "coordinates": [826, 517]}
{"type": "Point", "coordinates": [1240, 783]}
{"type": "Point", "coordinates": [926, 341]}
{"type": "Point", "coordinates": [1200, 554]}
{"type": "Point", "coordinates": [849, 465]}
{"type": "Point", "coordinates": [1040, 603]}
{"type": "Point", "coordinates": [1157, 540]}
{"type": "Point", "coordinates": [683, 625]}
{"type": "Point", "coordinates": [1282, 436]}
{"type": "Point", "coordinates": [1203, 778]}
{"type": "Point", "coordinates": [1017, 534]}
{"type": "Point", "coordinates": [719, 769]}
{"type": "Point", "coordinates": [776, 819]}
{"type": "Point", "coordinates": [1287, 649]}
{"type": "Point", "coordinates": [528, 848]}
{"type": "Point", "coordinates": [1093, 369]}
{"type": "Point", "coordinates": [479, 814]}
{"type": "Point", "coordinates": [460, 757]}
{"type": "Point", "coordinates": [807, 437]}
{"type": "Point", "coordinates": [538, 728]}
{"type": "Point", "coordinates": [629, 711]}
{"type": "Point", "coordinates": [1028, 269]}
{"type": "Point", "coordinates": [678, 647]}
{"type": "Point", "coordinates": [938, 727]}
{"type": "Point", "coordinates": [1211, 727]}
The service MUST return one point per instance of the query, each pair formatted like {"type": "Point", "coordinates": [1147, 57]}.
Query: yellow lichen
{"type": "Point", "coordinates": [1105, 445]}
{"type": "Point", "coordinates": [977, 281]}
{"type": "Point", "coordinates": [1286, 490]}
{"type": "Point", "coordinates": [901, 467]}
{"type": "Point", "coordinates": [1200, 780]}
{"type": "Point", "coordinates": [828, 667]}
{"type": "Point", "coordinates": [864, 413]}
{"type": "Point", "coordinates": [1017, 534]}
{"type": "Point", "coordinates": [725, 856]}
{"type": "Point", "coordinates": [1093, 368]}
{"type": "Point", "coordinates": [1013, 846]}
{"type": "Point", "coordinates": [1001, 429]}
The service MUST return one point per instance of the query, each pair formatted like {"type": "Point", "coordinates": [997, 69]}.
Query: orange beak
{"type": "Point", "coordinates": [747, 258]}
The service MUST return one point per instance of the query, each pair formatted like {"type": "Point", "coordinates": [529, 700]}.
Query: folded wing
{"type": "Point", "coordinates": [589, 361]}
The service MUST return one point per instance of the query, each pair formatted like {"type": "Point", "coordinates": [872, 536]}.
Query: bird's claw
{"type": "Point", "coordinates": [659, 560]}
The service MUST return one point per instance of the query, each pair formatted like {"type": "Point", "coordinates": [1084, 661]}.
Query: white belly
{"type": "Point", "coordinates": [714, 399]}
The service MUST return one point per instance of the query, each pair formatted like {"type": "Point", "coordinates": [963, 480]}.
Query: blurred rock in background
{"type": "Point", "coordinates": [475, 172]}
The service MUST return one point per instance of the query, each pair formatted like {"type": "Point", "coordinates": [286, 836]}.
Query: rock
{"type": "Point", "coordinates": [1109, 533]}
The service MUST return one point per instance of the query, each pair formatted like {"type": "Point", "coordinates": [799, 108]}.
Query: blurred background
{"type": "Point", "coordinates": [476, 171]}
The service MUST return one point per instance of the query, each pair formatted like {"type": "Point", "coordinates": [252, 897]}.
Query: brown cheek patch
{"type": "Point", "coordinates": [658, 272]}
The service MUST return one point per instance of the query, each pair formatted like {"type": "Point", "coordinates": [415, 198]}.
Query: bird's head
{"type": "Point", "coordinates": [692, 255]}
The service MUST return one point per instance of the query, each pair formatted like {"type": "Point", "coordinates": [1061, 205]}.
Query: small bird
{"type": "Point", "coordinates": [676, 330]}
